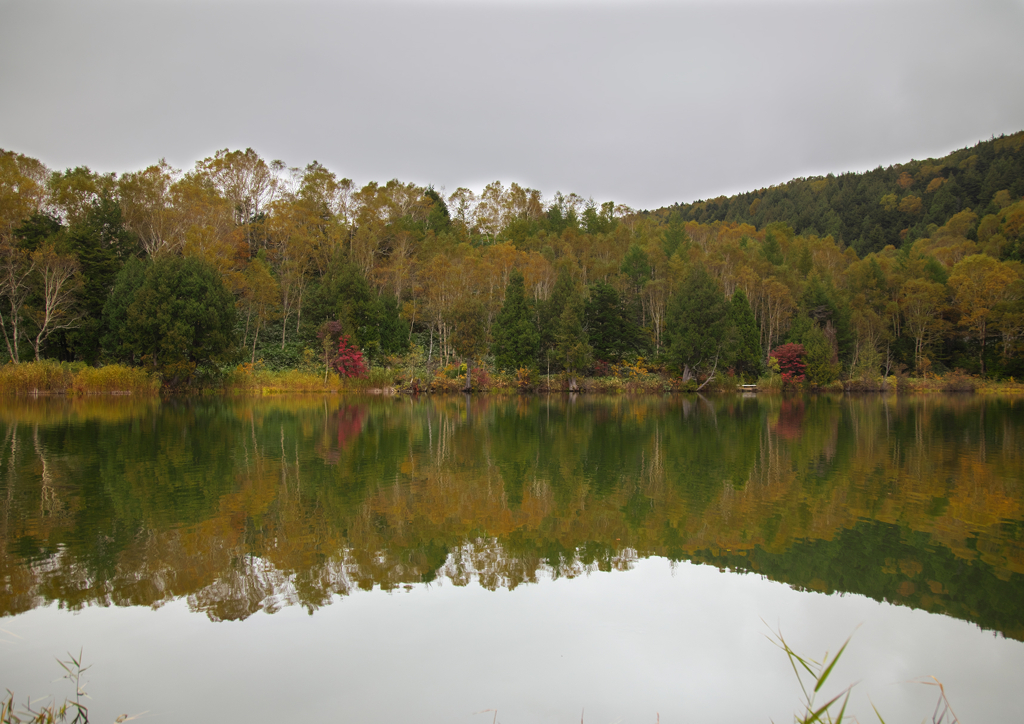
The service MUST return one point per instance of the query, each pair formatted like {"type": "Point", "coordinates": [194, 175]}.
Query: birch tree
{"type": "Point", "coordinates": [59, 281]}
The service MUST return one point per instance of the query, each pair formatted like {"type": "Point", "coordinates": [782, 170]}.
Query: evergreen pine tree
{"type": "Point", "coordinates": [101, 244]}
{"type": "Point", "coordinates": [697, 324]}
{"type": "Point", "coordinates": [822, 365]}
{"type": "Point", "coordinates": [516, 341]}
{"type": "Point", "coordinates": [771, 249]}
{"type": "Point", "coordinates": [572, 348]}
{"type": "Point", "coordinates": [747, 356]}
{"type": "Point", "coordinates": [551, 310]}
{"type": "Point", "coordinates": [613, 333]}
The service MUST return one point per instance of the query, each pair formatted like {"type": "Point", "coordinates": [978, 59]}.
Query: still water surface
{"type": "Point", "coordinates": [616, 559]}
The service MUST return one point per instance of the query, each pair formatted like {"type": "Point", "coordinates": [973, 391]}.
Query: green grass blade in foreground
{"type": "Point", "coordinates": [824, 675]}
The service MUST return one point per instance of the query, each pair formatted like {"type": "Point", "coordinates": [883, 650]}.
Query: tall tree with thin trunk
{"type": "Point", "coordinates": [58, 282]}
{"type": "Point", "coordinates": [15, 272]}
{"type": "Point", "coordinates": [261, 300]}
{"type": "Point", "coordinates": [920, 301]}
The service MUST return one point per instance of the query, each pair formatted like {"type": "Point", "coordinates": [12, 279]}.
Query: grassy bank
{"type": "Point", "coordinates": [249, 379]}
{"type": "Point", "coordinates": [403, 377]}
{"type": "Point", "coordinates": [951, 382]}
{"type": "Point", "coordinates": [76, 378]}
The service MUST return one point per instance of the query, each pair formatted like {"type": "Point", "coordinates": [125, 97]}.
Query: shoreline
{"type": "Point", "coordinates": [49, 378]}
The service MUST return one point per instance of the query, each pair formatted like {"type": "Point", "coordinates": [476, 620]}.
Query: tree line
{"type": "Point", "coordinates": [244, 259]}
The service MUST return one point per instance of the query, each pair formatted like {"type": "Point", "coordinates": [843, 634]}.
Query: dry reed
{"type": "Point", "coordinates": [48, 377]}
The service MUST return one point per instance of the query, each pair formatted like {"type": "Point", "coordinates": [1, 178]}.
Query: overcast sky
{"type": "Point", "coordinates": [643, 103]}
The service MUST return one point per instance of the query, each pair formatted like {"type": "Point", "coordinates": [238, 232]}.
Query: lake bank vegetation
{"type": "Point", "coordinates": [248, 275]}
{"type": "Point", "coordinates": [48, 377]}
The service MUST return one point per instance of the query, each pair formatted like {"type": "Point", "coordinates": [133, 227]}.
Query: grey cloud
{"type": "Point", "coordinates": [641, 103]}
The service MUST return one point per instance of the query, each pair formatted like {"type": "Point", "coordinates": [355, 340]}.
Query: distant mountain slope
{"type": "Point", "coordinates": [885, 206]}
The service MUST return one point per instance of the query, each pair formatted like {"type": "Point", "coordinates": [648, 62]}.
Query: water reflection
{"type": "Point", "coordinates": [243, 506]}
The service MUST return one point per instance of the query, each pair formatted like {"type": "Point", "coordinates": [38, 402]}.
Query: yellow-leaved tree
{"type": "Point", "coordinates": [980, 284]}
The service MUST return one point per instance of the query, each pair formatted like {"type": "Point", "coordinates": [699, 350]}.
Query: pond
{"type": "Point", "coordinates": [535, 559]}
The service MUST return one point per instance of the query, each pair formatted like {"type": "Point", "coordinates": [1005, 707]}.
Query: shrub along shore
{"type": "Point", "coordinates": [48, 377]}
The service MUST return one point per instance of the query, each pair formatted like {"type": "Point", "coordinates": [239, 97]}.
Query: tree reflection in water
{"type": "Point", "coordinates": [246, 506]}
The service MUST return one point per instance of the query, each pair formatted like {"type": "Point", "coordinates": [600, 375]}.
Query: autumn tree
{"type": "Point", "coordinates": [58, 283]}
{"type": "Point", "coordinates": [348, 359]}
{"type": "Point", "coordinates": [979, 283]}
{"type": "Point", "coordinates": [260, 301]}
{"type": "Point", "coordinates": [248, 183]}
{"type": "Point", "coordinates": [23, 190]}
{"type": "Point", "coordinates": [920, 304]}
{"type": "Point", "coordinates": [462, 205]}
{"type": "Point", "coordinates": [773, 308]}
{"type": "Point", "coordinates": [148, 206]}
{"type": "Point", "coordinates": [23, 194]}
{"type": "Point", "coordinates": [15, 287]}
{"type": "Point", "coordinates": [292, 232]}
{"type": "Point", "coordinates": [71, 193]}
{"type": "Point", "coordinates": [207, 224]}
{"type": "Point", "coordinates": [791, 361]}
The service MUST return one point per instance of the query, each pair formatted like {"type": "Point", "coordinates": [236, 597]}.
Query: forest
{"type": "Point", "coordinates": [911, 269]}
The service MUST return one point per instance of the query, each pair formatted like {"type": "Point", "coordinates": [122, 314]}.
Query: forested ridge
{"type": "Point", "coordinates": [916, 267]}
{"type": "Point", "coordinates": [886, 206]}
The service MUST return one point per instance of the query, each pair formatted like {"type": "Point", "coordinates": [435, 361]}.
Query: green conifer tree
{"type": "Point", "coordinates": [747, 356]}
{"type": "Point", "coordinates": [697, 325]}
{"type": "Point", "coordinates": [822, 363]}
{"type": "Point", "coordinates": [516, 340]}
{"type": "Point", "coordinates": [550, 311]}
{"type": "Point", "coordinates": [572, 348]}
{"type": "Point", "coordinates": [613, 333]}
{"type": "Point", "coordinates": [102, 244]}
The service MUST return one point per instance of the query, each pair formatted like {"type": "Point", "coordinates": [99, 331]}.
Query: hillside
{"type": "Point", "coordinates": [885, 206]}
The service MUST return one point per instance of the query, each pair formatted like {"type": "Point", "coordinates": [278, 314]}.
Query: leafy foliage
{"type": "Point", "coordinates": [868, 271]}
{"type": "Point", "coordinates": [180, 316]}
{"type": "Point", "coordinates": [348, 359]}
{"type": "Point", "coordinates": [791, 360]}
